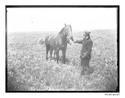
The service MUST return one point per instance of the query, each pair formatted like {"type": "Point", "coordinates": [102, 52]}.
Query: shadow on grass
{"type": "Point", "coordinates": [88, 71]}
{"type": "Point", "coordinates": [13, 85]}
{"type": "Point", "coordinates": [67, 60]}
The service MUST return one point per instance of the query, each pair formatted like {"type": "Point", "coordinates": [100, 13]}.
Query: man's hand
{"type": "Point", "coordinates": [75, 41]}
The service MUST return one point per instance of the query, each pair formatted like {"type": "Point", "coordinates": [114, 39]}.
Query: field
{"type": "Point", "coordinates": [28, 70]}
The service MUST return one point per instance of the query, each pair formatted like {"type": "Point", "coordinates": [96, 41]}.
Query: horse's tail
{"type": "Point", "coordinates": [43, 41]}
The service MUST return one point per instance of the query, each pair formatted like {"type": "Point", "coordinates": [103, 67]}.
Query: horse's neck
{"type": "Point", "coordinates": [63, 38]}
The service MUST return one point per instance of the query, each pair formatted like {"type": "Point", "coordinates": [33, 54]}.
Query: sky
{"type": "Point", "coordinates": [53, 19]}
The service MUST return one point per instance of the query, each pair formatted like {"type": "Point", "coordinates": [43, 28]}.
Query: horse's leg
{"type": "Point", "coordinates": [57, 56]}
{"type": "Point", "coordinates": [54, 54]}
{"type": "Point", "coordinates": [64, 55]}
{"type": "Point", "coordinates": [51, 51]}
{"type": "Point", "coordinates": [47, 50]}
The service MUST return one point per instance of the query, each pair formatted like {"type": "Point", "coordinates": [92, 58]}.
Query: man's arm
{"type": "Point", "coordinates": [78, 41]}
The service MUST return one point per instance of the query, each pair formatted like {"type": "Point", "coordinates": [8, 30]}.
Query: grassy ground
{"type": "Point", "coordinates": [28, 70]}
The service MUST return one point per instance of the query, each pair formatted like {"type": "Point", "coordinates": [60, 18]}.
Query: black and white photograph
{"type": "Point", "coordinates": [62, 48]}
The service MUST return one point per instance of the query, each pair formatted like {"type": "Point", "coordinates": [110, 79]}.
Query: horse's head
{"type": "Point", "coordinates": [68, 32]}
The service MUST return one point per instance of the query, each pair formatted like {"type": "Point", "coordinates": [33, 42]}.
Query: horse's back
{"type": "Point", "coordinates": [50, 40]}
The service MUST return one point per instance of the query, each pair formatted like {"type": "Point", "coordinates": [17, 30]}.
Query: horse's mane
{"type": "Point", "coordinates": [62, 30]}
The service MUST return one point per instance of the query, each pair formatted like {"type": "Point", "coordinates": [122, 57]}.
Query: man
{"type": "Point", "coordinates": [85, 55]}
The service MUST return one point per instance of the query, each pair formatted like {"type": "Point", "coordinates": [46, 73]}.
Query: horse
{"type": "Point", "coordinates": [59, 42]}
{"type": "Point", "coordinates": [54, 50]}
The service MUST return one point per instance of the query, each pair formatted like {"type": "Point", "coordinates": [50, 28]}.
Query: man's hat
{"type": "Point", "coordinates": [86, 33]}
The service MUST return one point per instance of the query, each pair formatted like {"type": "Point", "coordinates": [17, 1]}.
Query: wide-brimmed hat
{"type": "Point", "coordinates": [86, 33]}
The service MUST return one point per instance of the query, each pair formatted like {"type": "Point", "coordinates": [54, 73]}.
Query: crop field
{"type": "Point", "coordinates": [28, 70]}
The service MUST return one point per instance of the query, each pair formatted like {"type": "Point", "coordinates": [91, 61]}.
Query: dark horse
{"type": "Point", "coordinates": [59, 42]}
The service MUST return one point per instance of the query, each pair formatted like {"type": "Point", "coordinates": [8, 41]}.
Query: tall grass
{"type": "Point", "coordinates": [28, 70]}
